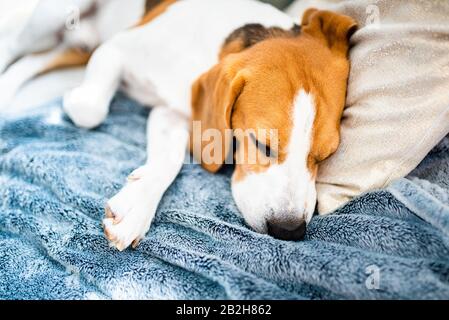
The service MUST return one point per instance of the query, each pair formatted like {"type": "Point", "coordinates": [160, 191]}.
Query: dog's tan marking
{"type": "Point", "coordinates": [261, 72]}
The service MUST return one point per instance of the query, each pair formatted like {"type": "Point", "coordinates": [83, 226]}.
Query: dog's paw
{"type": "Point", "coordinates": [129, 215]}
{"type": "Point", "coordinates": [85, 107]}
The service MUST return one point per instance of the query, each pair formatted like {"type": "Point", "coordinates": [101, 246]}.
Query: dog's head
{"type": "Point", "coordinates": [281, 95]}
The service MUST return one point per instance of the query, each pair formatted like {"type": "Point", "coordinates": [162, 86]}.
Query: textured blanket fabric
{"type": "Point", "coordinates": [55, 178]}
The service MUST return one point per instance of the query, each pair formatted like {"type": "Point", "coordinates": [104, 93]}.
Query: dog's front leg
{"type": "Point", "coordinates": [130, 212]}
{"type": "Point", "coordinates": [88, 104]}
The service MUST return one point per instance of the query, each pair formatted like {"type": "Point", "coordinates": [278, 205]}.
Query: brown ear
{"type": "Point", "coordinates": [333, 28]}
{"type": "Point", "coordinates": [213, 97]}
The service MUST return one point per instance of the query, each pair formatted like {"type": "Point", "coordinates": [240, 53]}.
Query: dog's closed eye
{"type": "Point", "coordinates": [264, 148]}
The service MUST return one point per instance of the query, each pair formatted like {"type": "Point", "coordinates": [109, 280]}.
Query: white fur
{"type": "Point", "coordinates": [285, 191]}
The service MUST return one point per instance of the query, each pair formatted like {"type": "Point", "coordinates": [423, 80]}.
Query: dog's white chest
{"type": "Point", "coordinates": [164, 57]}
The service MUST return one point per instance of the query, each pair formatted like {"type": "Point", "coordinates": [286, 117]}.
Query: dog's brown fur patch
{"type": "Point", "coordinates": [256, 85]}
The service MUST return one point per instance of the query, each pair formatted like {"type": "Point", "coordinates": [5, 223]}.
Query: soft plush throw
{"type": "Point", "coordinates": [55, 178]}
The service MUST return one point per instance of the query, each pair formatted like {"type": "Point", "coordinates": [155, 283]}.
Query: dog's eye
{"type": "Point", "coordinates": [265, 149]}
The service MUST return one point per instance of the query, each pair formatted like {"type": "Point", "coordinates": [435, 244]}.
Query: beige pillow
{"type": "Point", "coordinates": [398, 96]}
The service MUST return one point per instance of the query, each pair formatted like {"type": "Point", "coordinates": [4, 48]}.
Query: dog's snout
{"type": "Point", "coordinates": [287, 230]}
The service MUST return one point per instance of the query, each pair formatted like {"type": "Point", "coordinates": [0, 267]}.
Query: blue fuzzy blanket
{"type": "Point", "coordinates": [55, 178]}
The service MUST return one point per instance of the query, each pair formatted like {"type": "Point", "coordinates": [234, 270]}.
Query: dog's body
{"type": "Point", "coordinates": [159, 74]}
{"type": "Point", "coordinates": [232, 65]}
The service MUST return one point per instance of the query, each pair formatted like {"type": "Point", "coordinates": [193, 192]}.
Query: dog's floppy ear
{"type": "Point", "coordinates": [333, 28]}
{"type": "Point", "coordinates": [213, 97]}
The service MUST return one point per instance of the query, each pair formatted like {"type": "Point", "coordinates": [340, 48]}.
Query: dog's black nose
{"type": "Point", "coordinates": [287, 230]}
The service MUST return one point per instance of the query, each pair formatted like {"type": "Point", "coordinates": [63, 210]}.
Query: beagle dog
{"type": "Point", "coordinates": [214, 70]}
{"type": "Point", "coordinates": [59, 34]}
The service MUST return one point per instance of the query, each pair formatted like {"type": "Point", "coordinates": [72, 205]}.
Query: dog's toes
{"type": "Point", "coordinates": [138, 173]}
{"type": "Point", "coordinates": [129, 214]}
{"type": "Point", "coordinates": [136, 242]}
{"type": "Point", "coordinates": [121, 246]}
{"type": "Point", "coordinates": [116, 218]}
{"type": "Point", "coordinates": [106, 229]}
{"type": "Point", "coordinates": [112, 235]}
